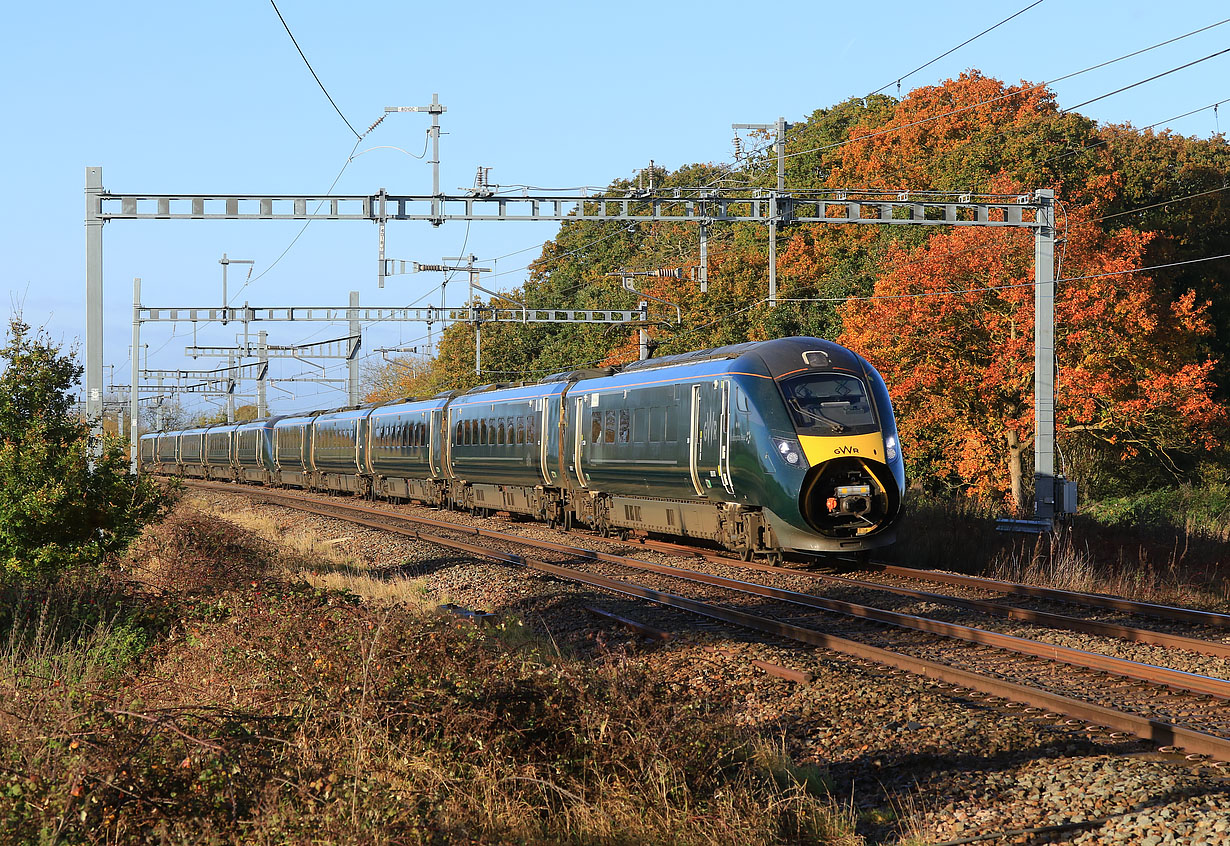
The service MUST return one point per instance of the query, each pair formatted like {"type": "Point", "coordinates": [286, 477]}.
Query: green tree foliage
{"type": "Point", "coordinates": [54, 513]}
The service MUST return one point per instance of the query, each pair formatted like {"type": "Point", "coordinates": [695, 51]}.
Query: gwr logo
{"type": "Point", "coordinates": [845, 450]}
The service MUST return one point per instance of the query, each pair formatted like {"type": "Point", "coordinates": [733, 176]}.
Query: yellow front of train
{"type": "Point", "coordinates": [851, 493]}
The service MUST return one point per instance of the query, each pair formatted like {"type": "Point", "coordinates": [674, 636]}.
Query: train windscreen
{"type": "Point", "coordinates": [829, 404]}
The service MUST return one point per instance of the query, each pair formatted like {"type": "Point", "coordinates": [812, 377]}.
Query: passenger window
{"type": "Point", "coordinates": [458, 433]}
{"type": "Point", "coordinates": [595, 427]}
{"type": "Point", "coordinates": [482, 431]}
{"type": "Point", "coordinates": [499, 433]}
{"type": "Point", "coordinates": [672, 433]}
{"type": "Point", "coordinates": [520, 430]}
{"type": "Point", "coordinates": [609, 431]}
{"type": "Point", "coordinates": [640, 424]}
{"type": "Point", "coordinates": [531, 429]}
{"type": "Point", "coordinates": [625, 423]}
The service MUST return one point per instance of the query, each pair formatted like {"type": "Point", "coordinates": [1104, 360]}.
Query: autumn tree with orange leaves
{"type": "Point", "coordinates": [1138, 355]}
{"type": "Point", "coordinates": [950, 327]}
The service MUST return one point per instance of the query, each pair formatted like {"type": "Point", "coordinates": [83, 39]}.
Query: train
{"type": "Point", "coordinates": [760, 448]}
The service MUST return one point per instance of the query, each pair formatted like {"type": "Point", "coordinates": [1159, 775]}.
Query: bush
{"type": "Point", "coordinates": [57, 512]}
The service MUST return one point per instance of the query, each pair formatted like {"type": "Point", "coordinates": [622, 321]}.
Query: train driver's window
{"type": "Point", "coordinates": [608, 433]}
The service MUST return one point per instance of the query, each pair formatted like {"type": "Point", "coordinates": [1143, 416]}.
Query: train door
{"type": "Point", "coordinates": [710, 436]}
{"type": "Point", "coordinates": [578, 440]}
{"type": "Point", "coordinates": [437, 441]}
{"type": "Point", "coordinates": [555, 438]}
{"type": "Point", "coordinates": [694, 439]}
{"type": "Point", "coordinates": [542, 406]}
{"type": "Point", "coordinates": [724, 439]}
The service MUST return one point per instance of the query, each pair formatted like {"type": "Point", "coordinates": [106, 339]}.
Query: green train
{"type": "Point", "coordinates": [761, 448]}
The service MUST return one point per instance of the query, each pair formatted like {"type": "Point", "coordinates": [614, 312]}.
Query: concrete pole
{"type": "Point", "coordinates": [356, 328]}
{"type": "Point", "coordinates": [262, 350]}
{"type": "Point", "coordinates": [134, 437]}
{"type": "Point", "coordinates": [1044, 357]}
{"type": "Point", "coordinates": [93, 311]}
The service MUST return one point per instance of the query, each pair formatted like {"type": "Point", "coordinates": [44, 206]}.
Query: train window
{"type": "Point", "coordinates": [422, 432]}
{"type": "Point", "coordinates": [499, 432]}
{"type": "Point", "coordinates": [741, 398]}
{"type": "Point", "coordinates": [595, 427]}
{"type": "Point", "coordinates": [657, 424]}
{"type": "Point", "coordinates": [608, 433]}
{"type": "Point", "coordinates": [828, 404]}
{"type": "Point", "coordinates": [458, 440]}
{"type": "Point", "coordinates": [531, 429]}
{"type": "Point", "coordinates": [625, 423]}
{"type": "Point", "coordinates": [482, 431]}
{"type": "Point", "coordinates": [672, 424]}
{"type": "Point", "coordinates": [640, 424]}
{"type": "Point", "coordinates": [520, 430]}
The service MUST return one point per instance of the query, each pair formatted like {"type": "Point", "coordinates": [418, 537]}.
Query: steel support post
{"type": "Point", "coordinates": [478, 347]}
{"type": "Point", "coordinates": [773, 257]}
{"type": "Point", "coordinates": [230, 389]}
{"type": "Point", "coordinates": [703, 273]}
{"type": "Point", "coordinates": [644, 333]}
{"type": "Point", "coordinates": [1044, 357]}
{"type": "Point", "coordinates": [94, 311]}
{"type": "Point", "coordinates": [356, 341]}
{"type": "Point", "coordinates": [134, 392]}
{"type": "Point", "coordinates": [262, 351]}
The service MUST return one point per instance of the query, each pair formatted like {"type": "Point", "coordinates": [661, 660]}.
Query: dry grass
{"type": "Point", "coordinates": [298, 554]}
{"type": "Point", "coordinates": [262, 710]}
{"type": "Point", "coordinates": [1152, 563]}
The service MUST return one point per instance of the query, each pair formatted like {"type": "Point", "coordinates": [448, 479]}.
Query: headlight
{"type": "Point", "coordinates": [791, 452]}
{"type": "Point", "coordinates": [890, 447]}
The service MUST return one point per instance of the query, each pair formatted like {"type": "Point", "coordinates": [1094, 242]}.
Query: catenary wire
{"type": "Point", "coordinates": [1026, 90]}
{"type": "Point", "coordinates": [961, 110]}
{"type": "Point", "coordinates": [309, 67]}
{"type": "Point", "coordinates": [905, 76]}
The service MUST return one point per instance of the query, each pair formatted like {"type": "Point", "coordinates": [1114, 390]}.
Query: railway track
{"type": "Point", "coordinates": [1169, 707]}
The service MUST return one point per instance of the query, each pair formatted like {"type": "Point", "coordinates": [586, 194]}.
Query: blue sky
{"type": "Point", "coordinates": [214, 98]}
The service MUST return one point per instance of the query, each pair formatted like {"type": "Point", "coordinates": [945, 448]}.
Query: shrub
{"type": "Point", "coordinates": [56, 511]}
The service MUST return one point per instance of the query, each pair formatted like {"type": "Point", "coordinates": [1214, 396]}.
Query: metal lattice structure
{"type": "Point", "coordinates": [702, 206]}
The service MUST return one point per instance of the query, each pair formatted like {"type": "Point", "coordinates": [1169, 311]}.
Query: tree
{"type": "Point", "coordinates": [55, 513]}
{"type": "Point", "coordinates": [1131, 380]}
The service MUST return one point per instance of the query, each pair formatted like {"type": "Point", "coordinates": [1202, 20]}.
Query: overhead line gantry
{"type": "Point", "coordinates": [703, 206]}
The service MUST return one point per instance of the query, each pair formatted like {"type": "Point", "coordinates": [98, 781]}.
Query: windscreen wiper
{"type": "Point", "coordinates": [833, 424]}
